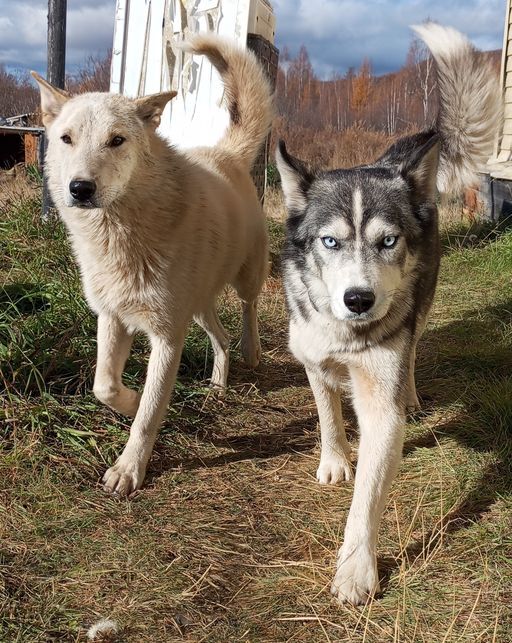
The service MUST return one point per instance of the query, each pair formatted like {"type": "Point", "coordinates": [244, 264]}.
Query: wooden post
{"type": "Point", "coordinates": [56, 70]}
{"type": "Point", "coordinates": [57, 42]}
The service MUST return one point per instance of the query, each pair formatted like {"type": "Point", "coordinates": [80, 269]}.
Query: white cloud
{"type": "Point", "coordinates": [340, 33]}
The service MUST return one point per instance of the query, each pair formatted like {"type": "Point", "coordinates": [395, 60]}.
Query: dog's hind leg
{"type": "Point", "coordinates": [219, 338]}
{"type": "Point", "coordinates": [250, 343]}
{"type": "Point", "coordinates": [114, 343]}
{"type": "Point", "coordinates": [412, 402]}
{"type": "Point", "coordinates": [335, 450]}
{"type": "Point", "coordinates": [248, 284]}
{"type": "Point", "coordinates": [378, 401]}
{"type": "Point", "coordinates": [128, 472]}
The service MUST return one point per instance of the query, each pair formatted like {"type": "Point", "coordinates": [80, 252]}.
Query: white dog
{"type": "Point", "coordinates": [158, 233]}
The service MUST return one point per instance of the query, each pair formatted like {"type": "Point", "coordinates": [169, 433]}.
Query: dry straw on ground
{"type": "Point", "coordinates": [231, 538]}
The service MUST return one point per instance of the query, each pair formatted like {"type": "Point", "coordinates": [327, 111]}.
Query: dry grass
{"type": "Point", "coordinates": [18, 185]}
{"type": "Point", "coordinates": [231, 538]}
{"type": "Point", "coordinates": [325, 148]}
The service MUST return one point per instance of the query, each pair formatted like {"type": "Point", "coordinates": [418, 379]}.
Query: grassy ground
{"type": "Point", "coordinates": [231, 538]}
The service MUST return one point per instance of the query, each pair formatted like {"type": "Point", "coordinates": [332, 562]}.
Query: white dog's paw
{"type": "Point", "coordinates": [124, 400]}
{"type": "Point", "coordinates": [219, 388]}
{"type": "Point", "coordinates": [218, 382]}
{"type": "Point", "coordinates": [333, 468]}
{"type": "Point", "coordinates": [356, 577]}
{"type": "Point", "coordinates": [125, 477]}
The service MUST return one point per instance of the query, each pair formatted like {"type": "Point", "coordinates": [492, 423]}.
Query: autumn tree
{"type": "Point", "coordinates": [361, 88]}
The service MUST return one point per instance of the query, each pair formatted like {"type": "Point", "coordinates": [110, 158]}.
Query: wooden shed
{"type": "Point", "coordinates": [144, 61]}
{"type": "Point", "coordinates": [21, 145]}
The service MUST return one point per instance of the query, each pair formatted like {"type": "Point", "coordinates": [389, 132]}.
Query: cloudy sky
{"type": "Point", "coordinates": [23, 25]}
{"type": "Point", "coordinates": [337, 33]}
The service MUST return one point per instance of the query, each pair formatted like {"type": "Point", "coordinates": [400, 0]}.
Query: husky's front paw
{"type": "Point", "coordinates": [334, 467]}
{"type": "Point", "coordinates": [356, 577]}
{"type": "Point", "coordinates": [125, 477]}
{"type": "Point", "coordinates": [251, 350]}
{"type": "Point", "coordinates": [412, 403]}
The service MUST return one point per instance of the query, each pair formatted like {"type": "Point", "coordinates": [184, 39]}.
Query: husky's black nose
{"type": "Point", "coordinates": [359, 301]}
{"type": "Point", "coordinates": [82, 190]}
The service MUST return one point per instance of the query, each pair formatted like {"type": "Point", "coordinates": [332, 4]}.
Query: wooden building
{"type": "Point", "coordinates": [496, 187]}
{"type": "Point", "coordinates": [20, 144]}
{"type": "Point", "coordinates": [144, 62]}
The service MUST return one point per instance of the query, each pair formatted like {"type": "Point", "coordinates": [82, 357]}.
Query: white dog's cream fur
{"type": "Point", "coordinates": [162, 234]}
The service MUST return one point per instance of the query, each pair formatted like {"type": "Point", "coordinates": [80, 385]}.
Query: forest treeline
{"type": "Point", "coordinates": [347, 119]}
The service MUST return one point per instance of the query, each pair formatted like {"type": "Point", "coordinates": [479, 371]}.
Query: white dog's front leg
{"type": "Point", "coordinates": [114, 343]}
{"type": "Point", "coordinates": [128, 472]}
{"type": "Point", "coordinates": [381, 420]}
{"type": "Point", "coordinates": [335, 450]}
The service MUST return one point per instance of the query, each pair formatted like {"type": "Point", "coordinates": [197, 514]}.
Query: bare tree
{"type": "Point", "coordinates": [94, 76]}
{"type": "Point", "coordinates": [393, 108]}
{"type": "Point", "coordinates": [18, 95]}
{"type": "Point", "coordinates": [419, 59]}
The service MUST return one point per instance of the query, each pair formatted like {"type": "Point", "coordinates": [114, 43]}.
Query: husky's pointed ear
{"type": "Point", "coordinates": [150, 108]}
{"type": "Point", "coordinates": [421, 168]}
{"type": "Point", "coordinates": [52, 99]}
{"type": "Point", "coordinates": [296, 179]}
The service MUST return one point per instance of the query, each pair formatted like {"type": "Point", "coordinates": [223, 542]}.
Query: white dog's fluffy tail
{"type": "Point", "coordinates": [470, 105]}
{"type": "Point", "coordinates": [247, 94]}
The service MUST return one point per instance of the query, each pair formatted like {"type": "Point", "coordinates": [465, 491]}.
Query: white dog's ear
{"type": "Point", "coordinates": [150, 108]}
{"type": "Point", "coordinates": [422, 167]}
{"type": "Point", "coordinates": [52, 99]}
{"type": "Point", "coordinates": [296, 179]}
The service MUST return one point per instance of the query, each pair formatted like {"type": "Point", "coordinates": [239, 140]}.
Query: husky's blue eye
{"type": "Point", "coordinates": [329, 242]}
{"type": "Point", "coordinates": [389, 241]}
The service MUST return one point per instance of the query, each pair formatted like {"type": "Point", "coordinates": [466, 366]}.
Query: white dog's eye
{"type": "Point", "coordinates": [329, 242]}
{"type": "Point", "coordinates": [117, 141]}
{"type": "Point", "coordinates": [66, 138]}
{"type": "Point", "coordinates": [389, 241]}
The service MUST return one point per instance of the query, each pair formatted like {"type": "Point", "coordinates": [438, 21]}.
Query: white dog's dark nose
{"type": "Point", "coordinates": [82, 190]}
{"type": "Point", "coordinates": [358, 301]}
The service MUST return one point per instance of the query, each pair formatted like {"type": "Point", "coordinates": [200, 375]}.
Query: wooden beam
{"type": "Point", "coordinates": [57, 42]}
{"type": "Point", "coordinates": [504, 67]}
{"type": "Point", "coordinates": [56, 69]}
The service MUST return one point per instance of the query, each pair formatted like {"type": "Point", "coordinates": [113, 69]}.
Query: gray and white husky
{"type": "Point", "coordinates": [360, 268]}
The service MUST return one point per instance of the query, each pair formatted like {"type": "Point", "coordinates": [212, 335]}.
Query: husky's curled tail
{"type": "Point", "coordinates": [470, 110]}
{"type": "Point", "coordinates": [247, 94]}
{"type": "Point", "coordinates": [470, 105]}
